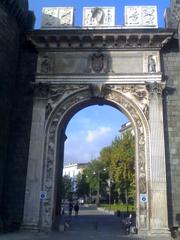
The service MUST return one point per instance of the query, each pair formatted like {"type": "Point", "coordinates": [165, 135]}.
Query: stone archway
{"type": "Point", "coordinates": [70, 74]}
{"type": "Point", "coordinates": [57, 104]}
{"type": "Point", "coordinates": [116, 96]}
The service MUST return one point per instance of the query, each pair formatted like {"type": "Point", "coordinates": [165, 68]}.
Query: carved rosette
{"type": "Point", "coordinates": [124, 97]}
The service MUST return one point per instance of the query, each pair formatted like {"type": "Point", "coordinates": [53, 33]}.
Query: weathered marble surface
{"type": "Point", "coordinates": [54, 17]}
{"type": "Point", "coordinates": [141, 16]}
{"type": "Point", "coordinates": [107, 62]}
{"type": "Point", "coordinates": [98, 16]}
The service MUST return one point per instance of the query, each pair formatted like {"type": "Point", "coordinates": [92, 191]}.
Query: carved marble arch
{"type": "Point", "coordinates": [128, 99]}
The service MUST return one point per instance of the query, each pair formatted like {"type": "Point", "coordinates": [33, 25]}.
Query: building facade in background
{"type": "Point", "coordinates": [73, 170]}
{"type": "Point", "coordinates": [126, 128]}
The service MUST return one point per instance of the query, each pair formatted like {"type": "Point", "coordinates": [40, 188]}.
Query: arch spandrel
{"type": "Point", "coordinates": [132, 100]}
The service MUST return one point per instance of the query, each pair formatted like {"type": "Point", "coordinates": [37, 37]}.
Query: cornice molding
{"type": "Point", "coordinates": [109, 38]}
{"type": "Point", "coordinates": [143, 78]}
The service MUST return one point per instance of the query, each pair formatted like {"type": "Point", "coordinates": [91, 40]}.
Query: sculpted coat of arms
{"type": "Point", "coordinates": [98, 63]}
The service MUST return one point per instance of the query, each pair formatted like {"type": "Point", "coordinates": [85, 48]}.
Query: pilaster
{"type": "Point", "coordinates": [35, 168]}
{"type": "Point", "coordinates": [158, 184]}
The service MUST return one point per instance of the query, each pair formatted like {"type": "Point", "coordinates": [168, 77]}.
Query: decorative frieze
{"type": "Point", "coordinates": [98, 62]}
{"type": "Point", "coordinates": [141, 16]}
{"type": "Point", "coordinates": [54, 17]}
{"type": "Point", "coordinates": [98, 16]}
{"type": "Point", "coordinates": [96, 38]}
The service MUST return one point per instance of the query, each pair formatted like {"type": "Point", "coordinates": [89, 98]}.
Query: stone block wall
{"type": "Point", "coordinates": [18, 148]}
{"type": "Point", "coordinates": [172, 15]}
{"type": "Point", "coordinates": [9, 54]}
{"type": "Point", "coordinates": [17, 67]}
{"type": "Point", "coordinates": [171, 65]}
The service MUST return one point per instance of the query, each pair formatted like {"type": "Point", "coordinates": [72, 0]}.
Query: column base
{"type": "Point", "coordinates": [160, 234]}
{"type": "Point", "coordinates": [1, 225]}
{"type": "Point", "coordinates": [29, 228]}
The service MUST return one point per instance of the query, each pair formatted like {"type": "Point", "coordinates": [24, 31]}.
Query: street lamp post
{"type": "Point", "coordinates": [98, 189]}
{"type": "Point", "coordinates": [109, 185]}
{"type": "Point", "coordinates": [126, 190]}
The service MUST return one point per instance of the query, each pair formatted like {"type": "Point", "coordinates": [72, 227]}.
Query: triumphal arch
{"type": "Point", "coordinates": [78, 67]}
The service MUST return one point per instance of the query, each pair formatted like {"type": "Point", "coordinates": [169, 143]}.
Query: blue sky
{"type": "Point", "coordinates": [37, 5]}
{"type": "Point", "coordinates": [90, 130]}
{"type": "Point", "coordinates": [94, 127]}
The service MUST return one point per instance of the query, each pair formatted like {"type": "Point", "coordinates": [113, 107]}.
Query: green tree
{"type": "Point", "coordinates": [118, 160]}
{"type": "Point", "coordinates": [82, 188]}
{"type": "Point", "coordinates": [66, 187]}
{"type": "Point", "coordinates": [122, 165]}
{"type": "Point", "coordinates": [96, 176]}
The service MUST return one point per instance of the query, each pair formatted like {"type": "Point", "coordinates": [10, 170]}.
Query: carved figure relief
{"type": "Point", "coordinates": [45, 65]}
{"type": "Point", "coordinates": [98, 16]}
{"type": "Point", "coordinates": [151, 64]}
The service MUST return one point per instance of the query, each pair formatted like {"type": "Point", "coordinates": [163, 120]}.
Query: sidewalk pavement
{"type": "Point", "coordinates": [89, 225]}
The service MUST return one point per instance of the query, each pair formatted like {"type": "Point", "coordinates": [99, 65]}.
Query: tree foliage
{"type": "Point", "coordinates": [82, 185]}
{"type": "Point", "coordinates": [66, 187]}
{"type": "Point", "coordinates": [118, 161]}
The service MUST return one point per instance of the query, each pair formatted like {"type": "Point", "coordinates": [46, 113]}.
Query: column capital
{"type": "Point", "coordinates": [155, 88]}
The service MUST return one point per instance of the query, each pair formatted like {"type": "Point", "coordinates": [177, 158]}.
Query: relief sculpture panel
{"type": "Point", "coordinates": [99, 62]}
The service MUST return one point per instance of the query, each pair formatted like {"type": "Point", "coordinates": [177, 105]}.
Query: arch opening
{"type": "Point", "coordinates": [89, 171]}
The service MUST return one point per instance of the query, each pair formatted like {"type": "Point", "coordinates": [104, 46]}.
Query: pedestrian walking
{"type": "Point", "coordinates": [76, 208]}
{"type": "Point", "coordinates": [70, 208]}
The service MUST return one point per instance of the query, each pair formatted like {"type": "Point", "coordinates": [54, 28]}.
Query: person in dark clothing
{"type": "Point", "coordinates": [70, 208]}
{"type": "Point", "coordinates": [76, 208]}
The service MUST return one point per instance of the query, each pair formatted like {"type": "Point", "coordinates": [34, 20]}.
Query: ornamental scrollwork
{"type": "Point", "coordinates": [56, 93]}
{"type": "Point", "coordinates": [136, 93]}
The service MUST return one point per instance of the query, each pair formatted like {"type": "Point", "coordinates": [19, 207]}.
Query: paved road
{"type": "Point", "coordinates": [89, 225]}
